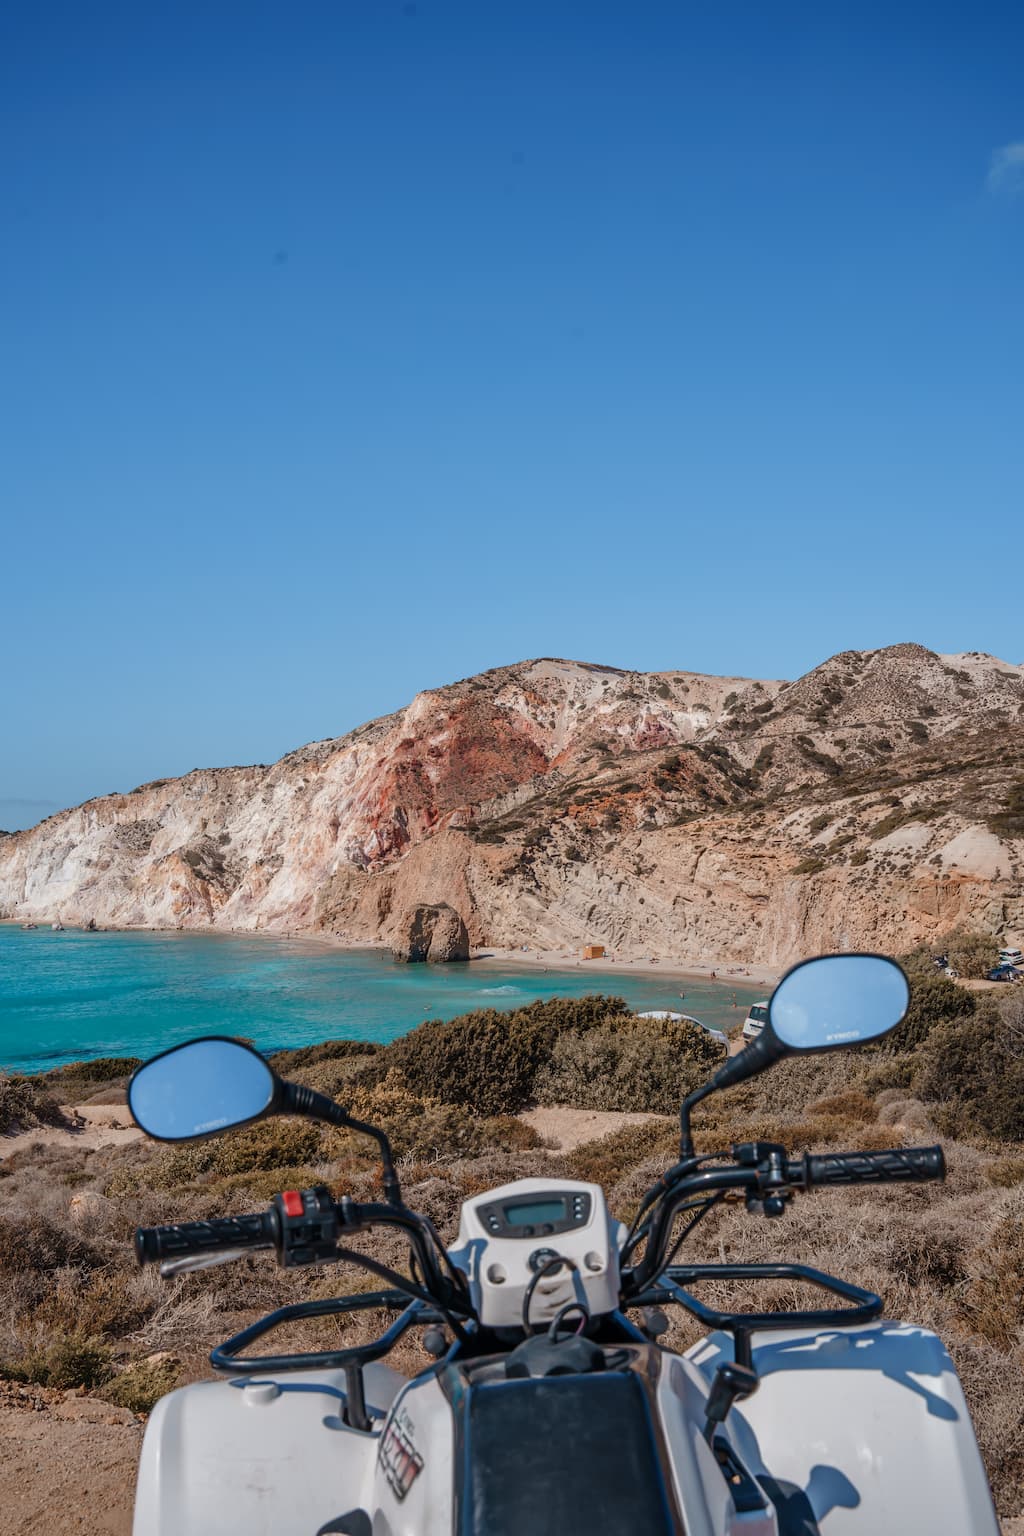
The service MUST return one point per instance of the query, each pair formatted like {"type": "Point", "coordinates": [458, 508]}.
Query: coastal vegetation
{"type": "Point", "coordinates": [76, 1312]}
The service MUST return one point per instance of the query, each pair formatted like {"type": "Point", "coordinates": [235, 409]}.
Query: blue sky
{"type": "Point", "coordinates": [353, 347]}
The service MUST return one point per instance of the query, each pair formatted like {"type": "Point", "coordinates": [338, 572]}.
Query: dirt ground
{"type": "Point", "coordinates": [66, 1462]}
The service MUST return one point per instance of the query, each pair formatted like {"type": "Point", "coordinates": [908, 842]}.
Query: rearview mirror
{"type": "Point", "coordinates": [820, 1005]}
{"type": "Point", "coordinates": [200, 1088]}
{"type": "Point", "coordinates": [837, 1000]}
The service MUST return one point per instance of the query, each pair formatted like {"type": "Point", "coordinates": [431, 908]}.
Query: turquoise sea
{"type": "Point", "coordinates": [72, 995]}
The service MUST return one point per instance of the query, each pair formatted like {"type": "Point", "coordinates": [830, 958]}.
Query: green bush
{"type": "Point", "coordinates": [66, 1361]}
{"type": "Point", "coordinates": [488, 1061]}
{"type": "Point", "coordinates": [629, 1064]}
{"type": "Point", "coordinates": [141, 1385]}
{"type": "Point", "coordinates": [971, 954]}
{"type": "Point", "coordinates": [934, 1000]}
{"type": "Point", "coordinates": [972, 1069]}
{"type": "Point", "coordinates": [426, 1129]}
{"type": "Point", "coordinates": [269, 1146]}
{"type": "Point", "coordinates": [289, 1062]}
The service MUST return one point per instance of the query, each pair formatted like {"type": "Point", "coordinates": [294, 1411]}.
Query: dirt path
{"type": "Point", "coordinates": [100, 1125]}
{"type": "Point", "coordinates": [66, 1463]}
{"type": "Point", "coordinates": [569, 1128]}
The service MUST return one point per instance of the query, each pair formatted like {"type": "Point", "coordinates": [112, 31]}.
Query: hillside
{"type": "Point", "coordinates": [870, 802]}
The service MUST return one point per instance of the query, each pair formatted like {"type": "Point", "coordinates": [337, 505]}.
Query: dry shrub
{"type": "Point", "coordinates": [991, 1380]}
{"type": "Point", "coordinates": [327, 1067]}
{"type": "Point", "coordinates": [287, 1063]}
{"type": "Point", "coordinates": [65, 1360]}
{"type": "Point", "coordinates": [111, 1304]}
{"type": "Point", "coordinates": [610, 1158]}
{"type": "Point", "coordinates": [853, 1104]}
{"type": "Point", "coordinates": [489, 1061]}
{"type": "Point", "coordinates": [993, 1304]}
{"type": "Point", "coordinates": [81, 1079]}
{"type": "Point", "coordinates": [25, 1103]}
{"type": "Point", "coordinates": [894, 1069]}
{"type": "Point", "coordinates": [628, 1064]}
{"type": "Point", "coordinates": [794, 1084]}
{"type": "Point", "coordinates": [141, 1385]}
{"type": "Point", "coordinates": [1005, 1172]}
{"type": "Point", "coordinates": [426, 1128]}
{"type": "Point", "coordinates": [34, 1244]}
{"type": "Point", "coordinates": [970, 1070]}
{"type": "Point", "coordinates": [934, 1000]}
{"type": "Point", "coordinates": [270, 1145]}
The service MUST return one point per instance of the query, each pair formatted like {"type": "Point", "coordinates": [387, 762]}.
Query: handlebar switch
{"type": "Point", "coordinates": [309, 1226]}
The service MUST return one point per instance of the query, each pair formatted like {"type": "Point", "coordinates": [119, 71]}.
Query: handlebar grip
{"type": "Point", "coordinates": [896, 1165]}
{"type": "Point", "coordinates": [154, 1244]}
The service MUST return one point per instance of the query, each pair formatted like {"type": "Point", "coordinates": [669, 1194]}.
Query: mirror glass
{"type": "Point", "coordinates": [838, 1000]}
{"type": "Point", "coordinates": [204, 1086]}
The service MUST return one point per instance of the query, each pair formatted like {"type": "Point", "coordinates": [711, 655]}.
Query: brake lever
{"type": "Point", "coordinates": [171, 1267]}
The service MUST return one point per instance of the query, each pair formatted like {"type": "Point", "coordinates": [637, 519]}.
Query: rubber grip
{"type": "Point", "coordinates": [153, 1244]}
{"type": "Point", "coordinates": [896, 1165]}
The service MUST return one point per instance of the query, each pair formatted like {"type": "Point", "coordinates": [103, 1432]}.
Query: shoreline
{"type": "Point", "coordinates": [721, 972]}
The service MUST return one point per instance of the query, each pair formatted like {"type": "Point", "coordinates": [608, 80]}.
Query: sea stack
{"type": "Point", "coordinates": [431, 932]}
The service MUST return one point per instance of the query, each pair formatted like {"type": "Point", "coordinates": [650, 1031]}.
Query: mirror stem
{"type": "Point", "coordinates": [685, 1138]}
{"type": "Point", "coordinates": [753, 1058]}
{"type": "Point", "coordinates": [300, 1100]}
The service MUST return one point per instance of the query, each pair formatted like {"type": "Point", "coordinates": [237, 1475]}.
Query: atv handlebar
{"type": "Point", "coordinates": [304, 1227]}
{"type": "Point", "coordinates": [768, 1178]}
{"type": "Point", "coordinates": [223, 1234]}
{"type": "Point", "coordinates": [896, 1165]}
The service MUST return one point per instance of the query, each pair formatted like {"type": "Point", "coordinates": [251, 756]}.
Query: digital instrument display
{"type": "Point", "coordinates": [533, 1212]}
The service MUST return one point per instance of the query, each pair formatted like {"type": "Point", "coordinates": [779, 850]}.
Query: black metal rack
{"type": "Point", "coordinates": [865, 1305]}
{"type": "Point", "coordinates": [352, 1361]}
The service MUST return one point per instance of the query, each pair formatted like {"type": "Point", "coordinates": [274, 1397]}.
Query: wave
{"type": "Point", "coordinates": [500, 991]}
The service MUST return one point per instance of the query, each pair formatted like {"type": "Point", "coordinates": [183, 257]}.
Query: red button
{"type": "Point", "coordinates": [292, 1202]}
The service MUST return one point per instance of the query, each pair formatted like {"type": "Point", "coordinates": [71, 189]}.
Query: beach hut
{"type": "Point", "coordinates": [593, 951]}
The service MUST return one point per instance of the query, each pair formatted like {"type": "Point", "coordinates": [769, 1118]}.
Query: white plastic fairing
{"type": "Point", "coordinates": [869, 1423]}
{"type": "Point", "coordinates": [505, 1235]}
{"type": "Point", "coordinates": [263, 1456]}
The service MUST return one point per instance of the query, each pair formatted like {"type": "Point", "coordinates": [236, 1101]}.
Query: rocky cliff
{"type": "Point", "coordinates": [871, 802]}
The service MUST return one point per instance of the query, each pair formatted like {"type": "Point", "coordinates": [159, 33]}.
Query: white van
{"type": "Point", "coordinates": [755, 1020]}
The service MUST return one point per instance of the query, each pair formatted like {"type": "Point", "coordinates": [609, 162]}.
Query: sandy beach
{"type": "Point", "coordinates": [723, 971]}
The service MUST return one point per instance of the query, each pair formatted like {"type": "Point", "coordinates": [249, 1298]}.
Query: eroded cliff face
{"type": "Point", "coordinates": [555, 802]}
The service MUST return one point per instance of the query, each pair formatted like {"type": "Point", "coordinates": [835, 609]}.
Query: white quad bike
{"type": "Point", "coordinates": [549, 1406]}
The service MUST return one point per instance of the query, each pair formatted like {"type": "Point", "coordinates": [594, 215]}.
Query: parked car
{"type": "Point", "coordinates": [755, 1020]}
{"type": "Point", "coordinates": [716, 1034]}
{"type": "Point", "coordinates": [1011, 957]}
{"type": "Point", "coordinates": [1005, 973]}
